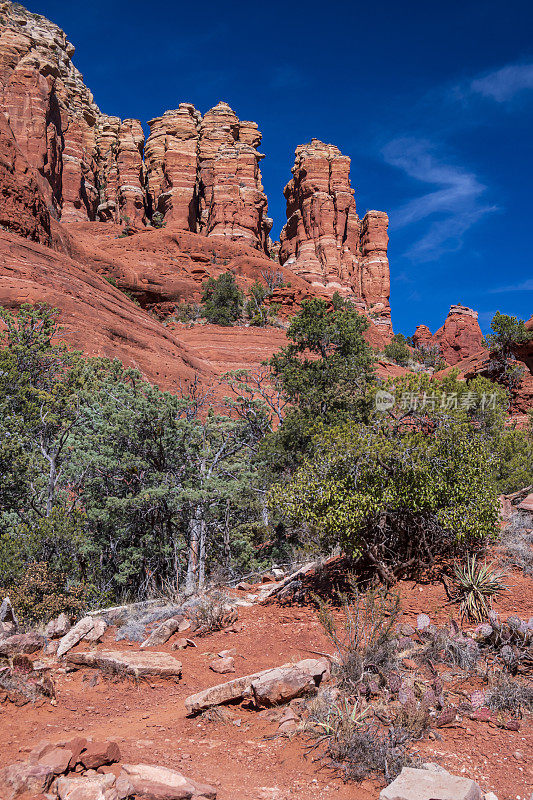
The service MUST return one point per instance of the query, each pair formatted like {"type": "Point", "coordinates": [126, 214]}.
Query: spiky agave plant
{"type": "Point", "coordinates": [476, 586]}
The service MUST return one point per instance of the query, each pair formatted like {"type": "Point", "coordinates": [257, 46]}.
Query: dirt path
{"type": "Point", "coordinates": [243, 757]}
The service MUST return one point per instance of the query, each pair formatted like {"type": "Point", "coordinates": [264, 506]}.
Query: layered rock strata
{"type": "Point", "coordinates": [203, 174]}
{"type": "Point", "coordinates": [324, 240]}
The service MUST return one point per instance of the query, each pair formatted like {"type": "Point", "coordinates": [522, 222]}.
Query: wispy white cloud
{"type": "Point", "coordinates": [455, 204]}
{"type": "Point", "coordinates": [505, 83]}
{"type": "Point", "coordinates": [524, 286]}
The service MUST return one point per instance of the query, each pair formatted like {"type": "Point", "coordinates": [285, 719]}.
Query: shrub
{"type": "Point", "coordinates": [476, 585]}
{"type": "Point", "coordinates": [41, 595]}
{"type": "Point", "coordinates": [213, 613]}
{"type": "Point", "coordinates": [507, 332]}
{"type": "Point", "coordinates": [222, 299]}
{"type": "Point", "coordinates": [509, 695]}
{"type": "Point", "coordinates": [430, 356]}
{"type": "Point", "coordinates": [158, 220]}
{"type": "Point", "coordinates": [517, 543]}
{"type": "Point", "coordinates": [395, 499]}
{"type": "Point", "coordinates": [364, 640]}
{"type": "Point", "coordinates": [397, 350]}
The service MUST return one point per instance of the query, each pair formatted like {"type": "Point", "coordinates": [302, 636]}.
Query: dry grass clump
{"type": "Point", "coordinates": [213, 613]}
{"type": "Point", "coordinates": [517, 543]}
{"type": "Point", "coordinates": [510, 695]}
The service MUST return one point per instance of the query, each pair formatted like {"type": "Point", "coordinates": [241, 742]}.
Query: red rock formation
{"type": "Point", "coordinates": [423, 337]}
{"type": "Point", "coordinates": [203, 174]}
{"type": "Point", "coordinates": [22, 207]}
{"type": "Point", "coordinates": [324, 240]}
{"type": "Point", "coordinates": [96, 317]}
{"type": "Point", "coordinates": [83, 159]}
{"type": "Point", "coordinates": [232, 201]}
{"type": "Point", "coordinates": [460, 337]}
{"type": "Point", "coordinates": [171, 162]}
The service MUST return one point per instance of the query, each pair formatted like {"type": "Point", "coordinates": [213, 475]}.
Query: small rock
{"type": "Point", "coordinates": [96, 754]}
{"type": "Point", "coordinates": [57, 759]}
{"type": "Point", "coordinates": [422, 622]}
{"type": "Point", "coordinates": [244, 587]}
{"type": "Point", "coordinates": [57, 627]}
{"type": "Point", "coordinates": [278, 574]}
{"type": "Point", "coordinates": [179, 644]}
{"type": "Point", "coordinates": [223, 665]}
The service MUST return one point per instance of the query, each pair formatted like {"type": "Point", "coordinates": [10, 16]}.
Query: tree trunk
{"type": "Point", "coordinates": [195, 526]}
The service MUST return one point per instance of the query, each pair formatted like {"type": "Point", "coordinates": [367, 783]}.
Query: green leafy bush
{"type": "Point", "coordinates": [393, 498]}
{"type": "Point", "coordinates": [223, 300]}
{"type": "Point", "coordinates": [397, 350]}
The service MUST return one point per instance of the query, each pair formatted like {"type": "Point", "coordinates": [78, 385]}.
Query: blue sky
{"type": "Point", "coordinates": [432, 101]}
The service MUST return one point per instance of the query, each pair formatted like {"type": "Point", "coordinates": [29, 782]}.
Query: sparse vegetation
{"type": "Point", "coordinates": [476, 586]}
{"type": "Point", "coordinates": [222, 299]}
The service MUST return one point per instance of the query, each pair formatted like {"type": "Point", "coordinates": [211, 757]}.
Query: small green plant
{"type": "Point", "coordinates": [158, 220]}
{"type": "Point", "coordinates": [111, 281]}
{"type": "Point", "coordinates": [476, 586]}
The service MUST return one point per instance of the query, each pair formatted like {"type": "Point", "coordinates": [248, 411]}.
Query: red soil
{"type": "Point", "coordinates": [243, 761]}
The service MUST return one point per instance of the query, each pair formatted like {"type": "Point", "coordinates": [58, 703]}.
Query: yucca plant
{"type": "Point", "coordinates": [476, 586]}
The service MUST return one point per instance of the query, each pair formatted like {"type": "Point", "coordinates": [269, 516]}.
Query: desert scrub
{"type": "Point", "coordinates": [364, 636]}
{"type": "Point", "coordinates": [476, 585]}
{"type": "Point", "coordinates": [213, 613]}
{"type": "Point", "coordinates": [356, 745]}
{"type": "Point", "coordinates": [510, 695]}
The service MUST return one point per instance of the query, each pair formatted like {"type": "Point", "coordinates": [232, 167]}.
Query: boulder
{"type": "Point", "coordinates": [24, 777]}
{"type": "Point", "coordinates": [421, 784]}
{"type": "Point", "coordinates": [282, 685]}
{"type": "Point", "coordinates": [75, 635]}
{"type": "Point", "coordinates": [58, 627]}
{"type": "Point", "coordinates": [21, 643]}
{"type": "Point", "coordinates": [160, 783]}
{"type": "Point", "coordinates": [97, 631]}
{"type": "Point", "coordinates": [7, 615]}
{"type": "Point", "coordinates": [87, 787]}
{"type": "Point", "coordinates": [162, 633]}
{"type": "Point", "coordinates": [155, 665]}
{"type": "Point", "coordinates": [98, 754]}
{"type": "Point", "coordinates": [268, 683]}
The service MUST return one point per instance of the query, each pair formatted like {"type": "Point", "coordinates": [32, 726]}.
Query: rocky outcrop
{"type": "Point", "coordinates": [203, 174]}
{"type": "Point", "coordinates": [22, 208]}
{"type": "Point", "coordinates": [324, 240]}
{"type": "Point", "coordinates": [171, 163]}
{"type": "Point", "coordinates": [460, 337]}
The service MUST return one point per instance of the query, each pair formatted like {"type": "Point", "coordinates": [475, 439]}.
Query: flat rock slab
{"type": "Point", "coordinates": [422, 784]}
{"type": "Point", "coordinates": [268, 687]}
{"type": "Point", "coordinates": [138, 664]}
{"type": "Point", "coordinates": [161, 783]}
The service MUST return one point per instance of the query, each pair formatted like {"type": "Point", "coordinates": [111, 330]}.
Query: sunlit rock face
{"type": "Point", "coordinates": [324, 240]}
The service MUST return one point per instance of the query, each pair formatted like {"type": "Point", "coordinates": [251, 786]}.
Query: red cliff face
{"type": "Point", "coordinates": [203, 174]}
{"type": "Point", "coordinates": [460, 337]}
{"type": "Point", "coordinates": [22, 208]}
{"type": "Point", "coordinates": [325, 241]}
